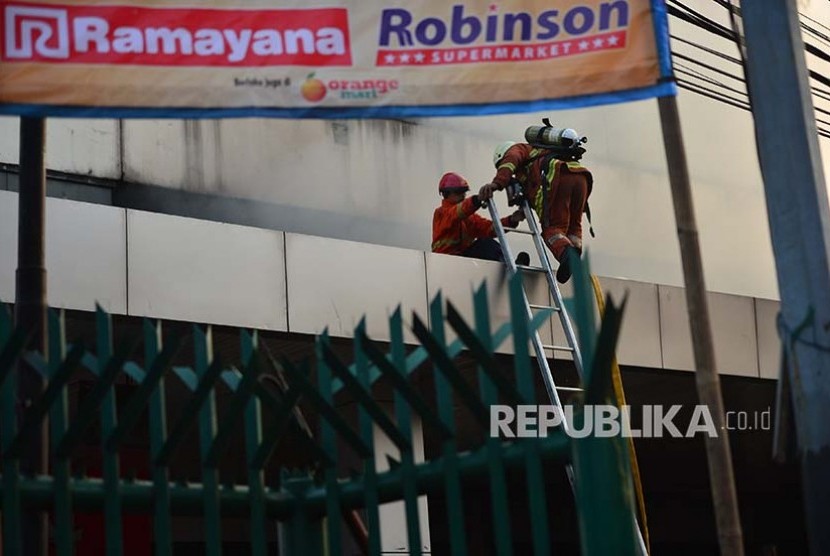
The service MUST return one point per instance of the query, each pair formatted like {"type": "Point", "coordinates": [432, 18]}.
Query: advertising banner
{"type": "Point", "coordinates": [327, 58]}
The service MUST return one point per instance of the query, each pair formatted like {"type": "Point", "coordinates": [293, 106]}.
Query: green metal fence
{"type": "Point", "coordinates": [307, 505]}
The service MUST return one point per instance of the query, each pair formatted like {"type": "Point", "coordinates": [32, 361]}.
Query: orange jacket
{"type": "Point", "coordinates": [525, 161]}
{"type": "Point", "coordinates": [456, 226]}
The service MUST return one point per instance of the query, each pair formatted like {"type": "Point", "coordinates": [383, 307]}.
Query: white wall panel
{"type": "Point", "coordinates": [459, 277]}
{"type": "Point", "coordinates": [769, 343]}
{"type": "Point", "coordinates": [733, 331]}
{"type": "Point", "coordinates": [186, 269]}
{"type": "Point", "coordinates": [675, 335]}
{"type": "Point", "coordinates": [85, 254]}
{"type": "Point", "coordinates": [733, 327]}
{"type": "Point", "coordinates": [8, 244]}
{"type": "Point", "coordinates": [334, 283]}
{"type": "Point", "coordinates": [86, 147]}
{"type": "Point", "coordinates": [639, 342]}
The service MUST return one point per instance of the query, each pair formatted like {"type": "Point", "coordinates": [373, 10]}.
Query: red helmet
{"type": "Point", "coordinates": [451, 180]}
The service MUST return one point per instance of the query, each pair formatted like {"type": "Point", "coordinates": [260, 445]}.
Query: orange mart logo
{"type": "Point", "coordinates": [315, 89]}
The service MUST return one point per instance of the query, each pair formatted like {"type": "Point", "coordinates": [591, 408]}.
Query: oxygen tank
{"type": "Point", "coordinates": [546, 136]}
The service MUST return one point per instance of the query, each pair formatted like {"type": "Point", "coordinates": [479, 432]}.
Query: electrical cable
{"type": "Point", "coordinates": [708, 67]}
{"type": "Point", "coordinates": [688, 71]}
{"type": "Point", "coordinates": [689, 15]}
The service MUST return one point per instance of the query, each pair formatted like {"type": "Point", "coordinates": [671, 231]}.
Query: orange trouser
{"type": "Point", "coordinates": [564, 225]}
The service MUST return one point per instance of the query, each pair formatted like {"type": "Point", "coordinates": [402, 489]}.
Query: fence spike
{"type": "Point", "coordinates": [584, 312]}
{"type": "Point", "coordinates": [399, 382]}
{"type": "Point", "coordinates": [253, 440]}
{"type": "Point", "coordinates": [56, 405]}
{"type": "Point", "coordinates": [190, 412]}
{"type": "Point", "coordinates": [534, 474]}
{"type": "Point", "coordinates": [446, 409]}
{"type": "Point", "coordinates": [300, 381]}
{"type": "Point", "coordinates": [41, 406]}
{"type": "Point", "coordinates": [446, 367]}
{"type": "Point", "coordinates": [364, 399]}
{"type": "Point", "coordinates": [484, 357]}
{"type": "Point", "coordinates": [495, 467]}
{"type": "Point", "coordinates": [404, 418]}
{"type": "Point", "coordinates": [203, 359]}
{"type": "Point", "coordinates": [138, 401]}
{"type": "Point", "coordinates": [598, 387]}
{"type": "Point", "coordinates": [370, 491]}
{"type": "Point", "coordinates": [328, 439]}
{"type": "Point", "coordinates": [157, 420]}
{"type": "Point", "coordinates": [93, 401]}
{"type": "Point", "coordinates": [235, 410]}
{"type": "Point", "coordinates": [102, 397]}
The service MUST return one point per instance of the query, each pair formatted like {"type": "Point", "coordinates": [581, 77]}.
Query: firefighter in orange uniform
{"type": "Point", "coordinates": [555, 184]}
{"type": "Point", "coordinates": [458, 230]}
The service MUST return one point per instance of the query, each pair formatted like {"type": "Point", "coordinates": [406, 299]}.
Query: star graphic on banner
{"type": "Point", "coordinates": [584, 45]}
{"type": "Point", "coordinates": [389, 59]}
{"type": "Point", "coordinates": [494, 7]}
{"type": "Point", "coordinates": [613, 40]}
{"type": "Point", "coordinates": [598, 43]}
{"type": "Point", "coordinates": [419, 57]}
{"type": "Point", "coordinates": [404, 58]}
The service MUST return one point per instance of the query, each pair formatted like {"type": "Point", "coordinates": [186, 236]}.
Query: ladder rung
{"type": "Point", "coordinates": [557, 348]}
{"type": "Point", "coordinates": [531, 268]}
{"type": "Point", "coordinates": [570, 389]}
{"type": "Point", "coordinates": [534, 306]}
{"type": "Point", "coordinates": [512, 231]}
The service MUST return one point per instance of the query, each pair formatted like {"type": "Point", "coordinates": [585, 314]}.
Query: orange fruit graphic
{"type": "Point", "coordinates": [313, 89]}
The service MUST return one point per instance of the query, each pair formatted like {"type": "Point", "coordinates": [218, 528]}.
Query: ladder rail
{"type": "Point", "coordinates": [547, 376]}
{"type": "Point", "coordinates": [564, 318]}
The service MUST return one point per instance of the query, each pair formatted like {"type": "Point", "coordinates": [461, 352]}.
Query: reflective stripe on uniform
{"type": "Point", "coordinates": [444, 243]}
{"type": "Point", "coordinates": [539, 200]}
{"type": "Point", "coordinates": [554, 238]}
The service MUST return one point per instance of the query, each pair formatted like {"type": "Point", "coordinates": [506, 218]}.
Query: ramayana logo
{"type": "Point", "coordinates": [464, 37]}
{"type": "Point", "coordinates": [179, 37]}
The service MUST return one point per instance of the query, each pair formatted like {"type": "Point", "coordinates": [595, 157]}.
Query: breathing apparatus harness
{"type": "Point", "coordinates": [562, 144]}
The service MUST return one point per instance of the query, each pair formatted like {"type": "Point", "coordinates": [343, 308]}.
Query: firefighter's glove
{"type": "Point", "coordinates": [486, 192]}
{"type": "Point", "coordinates": [517, 217]}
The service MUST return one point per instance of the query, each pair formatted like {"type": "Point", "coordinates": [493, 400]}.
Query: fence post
{"type": "Point", "coordinates": [302, 534]}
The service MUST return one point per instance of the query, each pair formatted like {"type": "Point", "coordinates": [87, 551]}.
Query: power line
{"type": "Point", "coordinates": [693, 17]}
{"type": "Point", "coordinates": [688, 71]}
{"type": "Point", "coordinates": [820, 93]}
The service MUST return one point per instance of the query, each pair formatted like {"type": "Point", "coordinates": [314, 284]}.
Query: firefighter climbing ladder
{"type": "Point", "coordinates": [558, 307]}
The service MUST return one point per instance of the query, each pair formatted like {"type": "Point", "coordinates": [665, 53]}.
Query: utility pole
{"type": "Point", "coordinates": [718, 454]}
{"type": "Point", "coordinates": [30, 309]}
{"type": "Point", "coordinates": [799, 218]}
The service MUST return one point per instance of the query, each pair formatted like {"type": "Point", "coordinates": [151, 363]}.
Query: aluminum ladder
{"type": "Point", "coordinates": [558, 307]}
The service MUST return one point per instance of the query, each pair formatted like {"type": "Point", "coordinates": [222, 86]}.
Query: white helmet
{"type": "Point", "coordinates": [500, 151]}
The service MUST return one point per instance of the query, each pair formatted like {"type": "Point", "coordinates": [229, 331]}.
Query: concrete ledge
{"type": "Point", "coordinates": [149, 264]}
